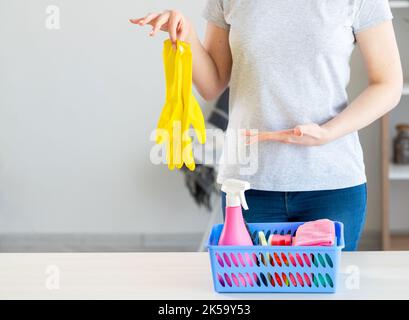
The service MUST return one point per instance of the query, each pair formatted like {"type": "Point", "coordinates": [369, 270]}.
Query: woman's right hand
{"type": "Point", "coordinates": [171, 21]}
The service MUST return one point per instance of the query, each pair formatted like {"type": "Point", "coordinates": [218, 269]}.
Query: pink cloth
{"type": "Point", "coordinates": [315, 233]}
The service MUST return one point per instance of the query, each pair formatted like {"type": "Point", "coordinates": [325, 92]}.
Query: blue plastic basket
{"type": "Point", "coordinates": [275, 268]}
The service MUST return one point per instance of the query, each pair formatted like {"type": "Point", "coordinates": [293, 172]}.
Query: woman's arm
{"type": "Point", "coordinates": [380, 53]}
{"type": "Point", "coordinates": [212, 60]}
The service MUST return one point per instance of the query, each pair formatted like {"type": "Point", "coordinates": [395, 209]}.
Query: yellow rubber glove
{"type": "Point", "coordinates": [169, 125]}
{"type": "Point", "coordinates": [192, 114]}
{"type": "Point", "coordinates": [181, 108]}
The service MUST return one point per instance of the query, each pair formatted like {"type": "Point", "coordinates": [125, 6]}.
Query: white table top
{"type": "Point", "coordinates": [382, 275]}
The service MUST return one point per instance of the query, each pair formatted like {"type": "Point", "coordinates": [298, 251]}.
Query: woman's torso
{"type": "Point", "coordinates": [291, 67]}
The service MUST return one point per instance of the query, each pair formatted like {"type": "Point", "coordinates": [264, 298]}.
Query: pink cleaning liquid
{"type": "Point", "coordinates": [234, 231]}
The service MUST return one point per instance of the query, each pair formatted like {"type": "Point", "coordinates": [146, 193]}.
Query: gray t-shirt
{"type": "Point", "coordinates": [290, 67]}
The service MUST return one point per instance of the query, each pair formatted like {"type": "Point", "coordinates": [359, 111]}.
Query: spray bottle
{"type": "Point", "coordinates": [234, 231]}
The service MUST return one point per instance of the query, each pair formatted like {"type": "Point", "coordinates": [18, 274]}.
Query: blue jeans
{"type": "Point", "coordinates": [345, 205]}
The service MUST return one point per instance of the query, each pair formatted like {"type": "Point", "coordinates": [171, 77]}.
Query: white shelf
{"type": "Point", "coordinates": [398, 171]}
{"type": "Point", "coordinates": [399, 4]}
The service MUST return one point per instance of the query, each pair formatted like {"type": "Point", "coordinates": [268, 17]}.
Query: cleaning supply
{"type": "Point", "coordinates": [234, 231]}
{"type": "Point", "coordinates": [181, 109]}
{"type": "Point", "coordinates": [192, 114]}
{"type": "Point", "coordinates": [280, 240]}
{"type": "Point", "coordinates": [276, 269]}
{"type": "Point", "coordinates": [263, 242]}
{"type": "Point", "coordinates": [315, 233]}
{"type": "Point", "coordinates": [262, 238]}
{"type": "Point", "coordinates": [171, 115]}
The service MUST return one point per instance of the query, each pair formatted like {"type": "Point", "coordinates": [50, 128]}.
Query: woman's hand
{"type": "Point", "coordinates": [212, 60]}
{"type": "Point", "coordinates": [171, 21]}
{"type": "Point", "coordinates": [307, 134]}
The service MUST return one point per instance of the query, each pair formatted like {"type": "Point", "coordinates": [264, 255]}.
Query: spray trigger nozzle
{"type": "Point", "coordinates": [234, 190]}
{"type": "Point", "coordinates": [243, 201]}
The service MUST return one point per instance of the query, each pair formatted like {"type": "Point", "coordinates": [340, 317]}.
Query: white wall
{"type": "Point", "coordinates": [77, 107]}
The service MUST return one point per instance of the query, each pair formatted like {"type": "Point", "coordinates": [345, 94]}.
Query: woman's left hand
{"type": "Point", "coordinates": [307, 134]}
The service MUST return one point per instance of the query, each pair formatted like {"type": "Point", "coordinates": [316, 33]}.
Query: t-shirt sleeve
{"type": "Point", "coordinates": [214, 12]}
{"type": "Point", "coordinates": [371, 13]}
